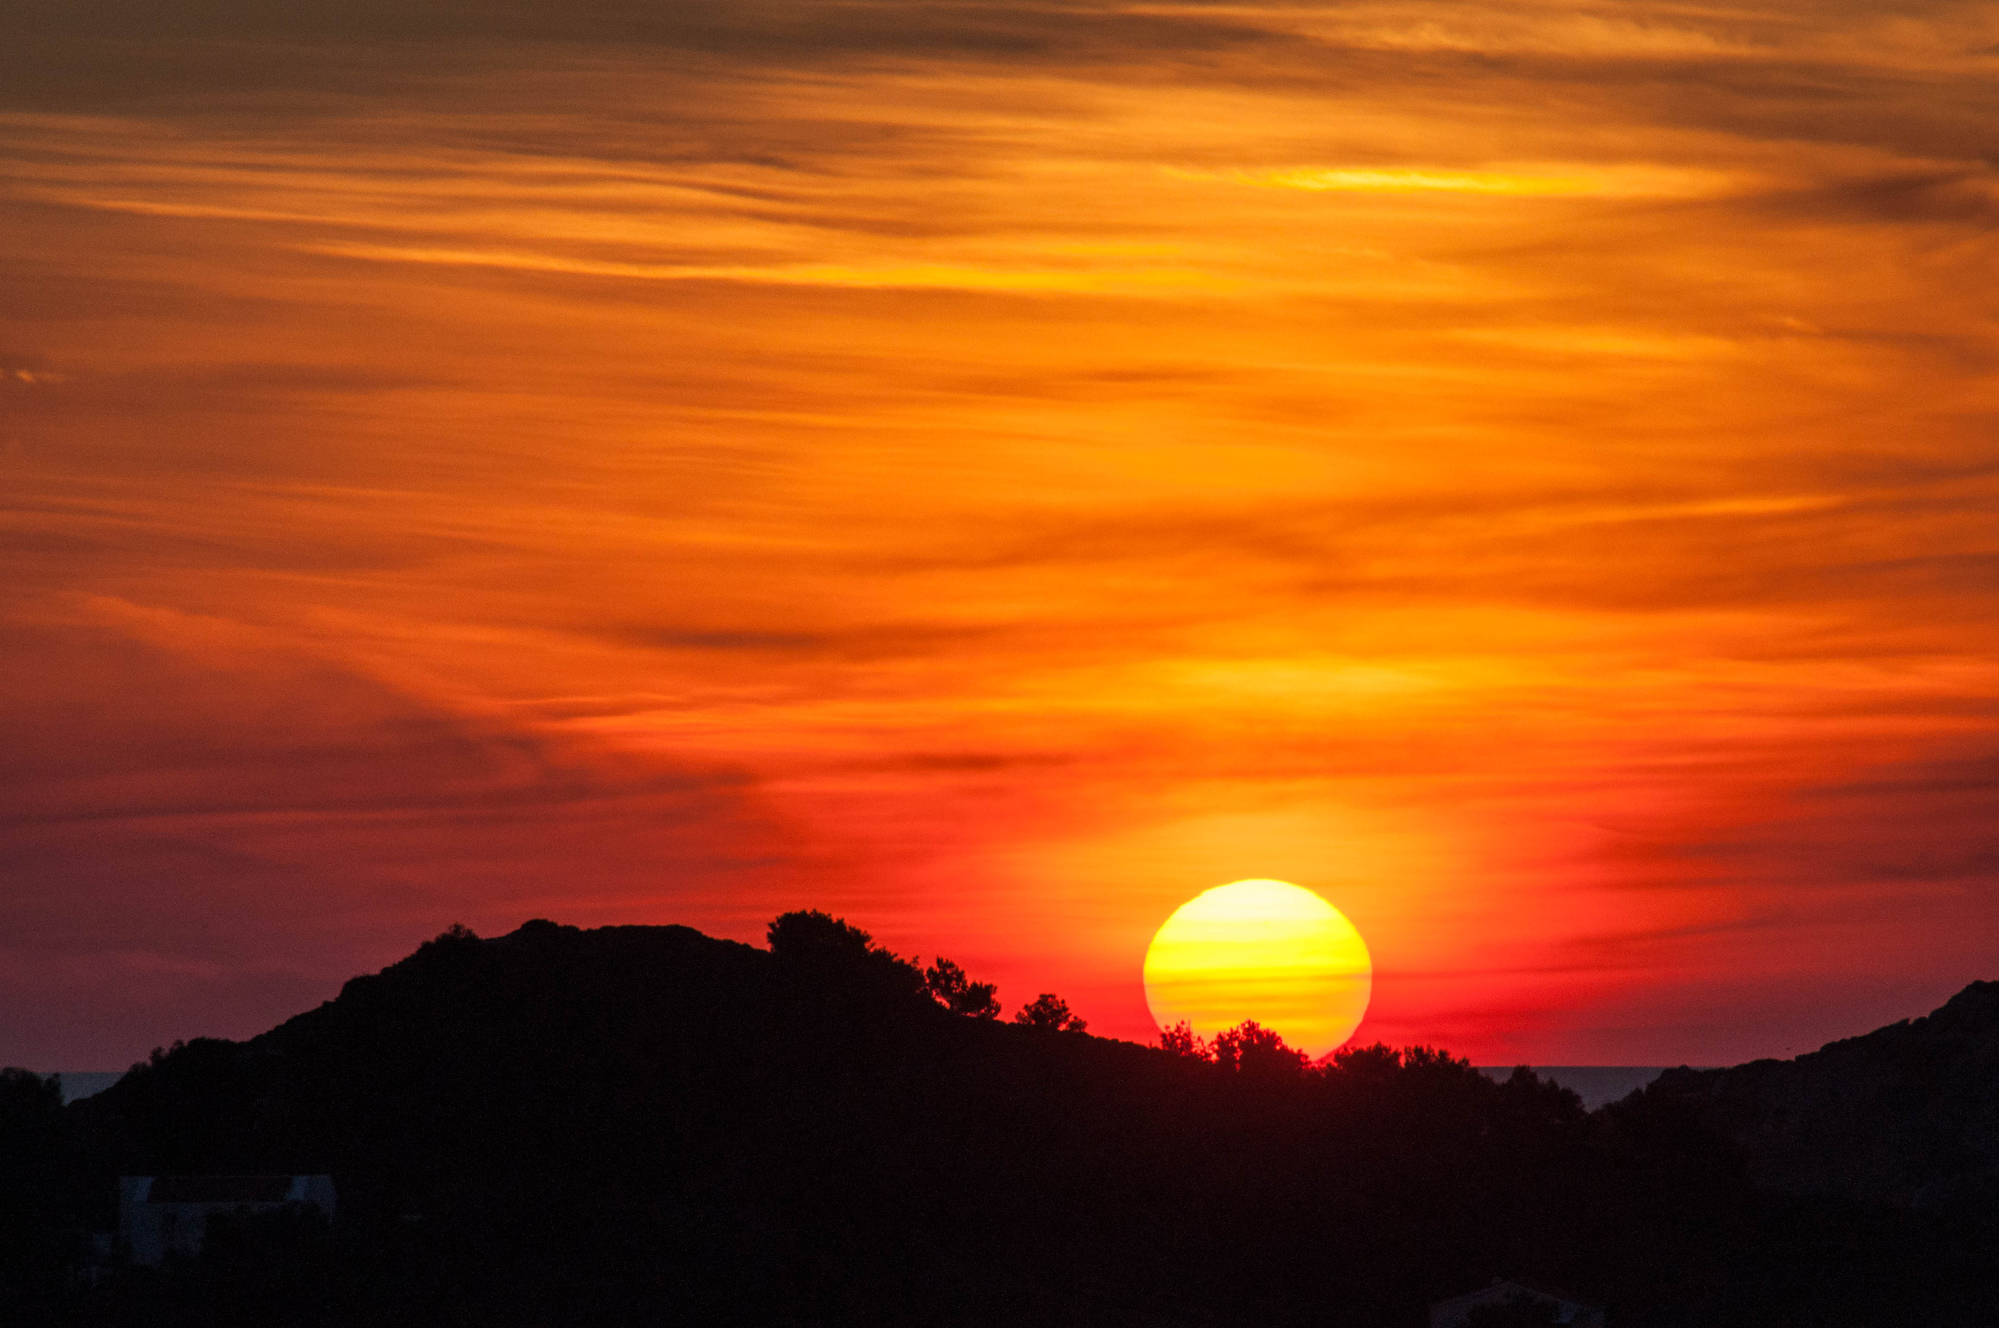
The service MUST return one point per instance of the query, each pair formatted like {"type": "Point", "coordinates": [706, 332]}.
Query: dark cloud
{"type": "Point", "coordinates": [1963, 198]}
{"type": "Point", "coordinates": [327, 54]}
{"type": "Point", "coordinates": [1758, 74]}
{"type": "Point", "coordinates": [760, 27]}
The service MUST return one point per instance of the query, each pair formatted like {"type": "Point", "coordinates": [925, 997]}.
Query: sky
{"type": "Point", "coordinates": [1526, 472]}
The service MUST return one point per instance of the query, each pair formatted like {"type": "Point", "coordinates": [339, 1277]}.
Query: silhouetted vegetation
{"type": "Point", "coordinates": [1050, 1012]}
{"type": "Point", "coordinates": [959, 994]}
{"type": "Point", "coordinates": [41, 1233]}
{"type": "Point", "coordinates": [643, 1125]}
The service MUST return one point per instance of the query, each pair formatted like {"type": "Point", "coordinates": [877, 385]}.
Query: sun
{"type": "Point", "coordinates": [1263, 950]}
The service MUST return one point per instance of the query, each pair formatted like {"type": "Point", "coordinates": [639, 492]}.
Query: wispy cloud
{"type": "Point", "coordinates": [1527, 470]}
{"type": "Point", "coordinates": [1544, 182]}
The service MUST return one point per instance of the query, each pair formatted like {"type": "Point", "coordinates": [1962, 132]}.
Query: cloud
{"type": "Point", "coordinates": [113, 53]}
{"type": "Point", "coordinates": [1525, 183]}
{"type": "Point", "coordinates": [992, 468]}
{"type": "Point", "coordinates": [1963, 197]}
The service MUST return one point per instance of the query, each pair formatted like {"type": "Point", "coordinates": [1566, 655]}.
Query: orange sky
{"type": "Point", "coordinates": [1526, 472]}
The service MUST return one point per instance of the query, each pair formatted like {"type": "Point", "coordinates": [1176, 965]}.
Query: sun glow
{"type": "Point", "coordinates": [1263, 950]}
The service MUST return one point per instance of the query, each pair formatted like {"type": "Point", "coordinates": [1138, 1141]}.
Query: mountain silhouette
{"type": "Point", "coordinates": [645, 1125]}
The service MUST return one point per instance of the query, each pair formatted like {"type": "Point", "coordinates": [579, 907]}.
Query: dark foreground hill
{"type": "Point", "coordinates": [1908, 1114]}
{"type": "Point", "coordinates": [642, 1125]}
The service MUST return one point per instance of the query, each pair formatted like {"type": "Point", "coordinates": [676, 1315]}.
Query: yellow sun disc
{"type": "Point", "coordinates": [1263, 950]}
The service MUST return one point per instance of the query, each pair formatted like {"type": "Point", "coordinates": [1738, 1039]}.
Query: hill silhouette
{"type": "Point", "coordinates": [645, 1125]}
{"type": "Point", "coordinates": [1908, 1113]}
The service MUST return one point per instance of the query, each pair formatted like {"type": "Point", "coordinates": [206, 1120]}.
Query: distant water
{"type": "Point", "coordinates": [86, 1083]}
{"type": "Point", "coordinates": [1594, 1084]}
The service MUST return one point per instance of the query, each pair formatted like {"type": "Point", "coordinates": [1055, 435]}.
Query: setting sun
{"type": "Point", "coordinates": [1263, 950]}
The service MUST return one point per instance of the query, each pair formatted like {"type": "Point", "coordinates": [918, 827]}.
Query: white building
{"type": "Point", "coordinates": [161, 1213]}
{"type": "Point", "coordinates": [1558, 1306]}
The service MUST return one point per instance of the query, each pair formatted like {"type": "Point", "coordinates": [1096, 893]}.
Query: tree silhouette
{"type": "Point", "coordinates": [833, 952]}
{"type": "Point", "coordinates": [808, 931]}
{"type": "Point", "coordinates": [1420, 1059]}
{"type": "Point", "coordinates": [1374, 1064]}
{"type": "Point", "coordinates": [1181, 1041]}
{"type": "Point", "coordinates": [1049, 1011]}
{"type": "Point", "coordinates": [1250, 1048]}
{"type": "Point", "coordinates": [957, 993]}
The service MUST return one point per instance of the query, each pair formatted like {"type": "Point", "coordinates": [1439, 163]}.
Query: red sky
{"type": "Point", "coordinates": [1526, 472]}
